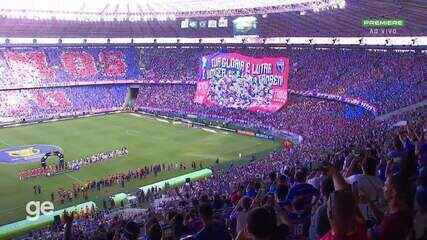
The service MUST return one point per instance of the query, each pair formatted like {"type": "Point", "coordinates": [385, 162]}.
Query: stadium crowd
{"type": "Point", "coordinates": [386, 78]}
{"type": "Point", "coordinates": [373, 188]}
{"type": "Point", "coordinates": [352, 178]}
{"type": "Point", "coordinates": [56, 66]}
{"type": "Point", "coordinates": [47, 103]}
{"type": "Point", "coordinates": [328, 120]}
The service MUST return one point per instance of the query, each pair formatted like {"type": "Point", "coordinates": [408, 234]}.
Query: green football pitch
{"type": "Point", "coordinates": [149, 140]}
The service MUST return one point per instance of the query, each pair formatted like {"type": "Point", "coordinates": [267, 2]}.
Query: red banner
{"type": "Point", "coordinates": [237, 81]}
{"type": "Point", "coordinates": [247, 133]}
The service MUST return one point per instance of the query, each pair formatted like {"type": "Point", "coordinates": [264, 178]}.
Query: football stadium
{"type": "Point", "coordinates": [213, 120]}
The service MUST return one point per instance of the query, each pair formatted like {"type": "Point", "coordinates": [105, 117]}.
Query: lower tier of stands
{"type": "Point", "coordinates": [44, 103]}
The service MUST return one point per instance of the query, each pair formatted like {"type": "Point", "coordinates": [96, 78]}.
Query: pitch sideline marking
{"type": "Point", "coordinates": [136, 115]}
{"type": "Point", "coordinates": [4, 143]}
{"type": "Point", "coordinates": [209, 130]}
{"type": "Point", "coordinates": [80, 181]}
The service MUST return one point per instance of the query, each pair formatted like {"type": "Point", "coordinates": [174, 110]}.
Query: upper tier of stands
{"type": "Point", "coordinates": [387, 80]}
{"type": "Point", "coordinates": [62, 66]}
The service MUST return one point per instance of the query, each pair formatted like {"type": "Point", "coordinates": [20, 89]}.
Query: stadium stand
{"type": "Point", "coordinates": [363, 152]}
{"type": "Point", "coordinates": [369, 76]}
{"type": "Point", "coordinates": [358, 74]}
{"type": "Point", "coordinates": [44, 67]}
{"type": "Point", "coordinates": [47, 103]}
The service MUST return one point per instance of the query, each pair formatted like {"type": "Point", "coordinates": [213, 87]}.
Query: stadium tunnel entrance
{"type": "Point", "coordinates": [131, 97]}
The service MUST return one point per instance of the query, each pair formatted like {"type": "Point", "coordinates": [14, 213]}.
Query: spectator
{"type": "Point", "coordinates": [261, 225]}
{"type": "Point", "coordinates": [154, 232]}
{"type": "Point", "coordinates": [240, 212]}
{"type": "Point", "coordinates": [131, 231]}
{"type": "Point", "coordinates": [420, 216]}
{"type": "Point", "coordinates": [212, 229]}
{"type": "Point", "coordinates": [320, 222]}
{"type": "Point", "coordinates": [370, 184]}
{"type": "Point", "coordinates": [343, 218]}
{"type": "Point", "coordinates": [281, 194]}
{"type": "Point", "coordinates": [397, 222]}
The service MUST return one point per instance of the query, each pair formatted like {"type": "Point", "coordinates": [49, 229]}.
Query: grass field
{"type": "Point", "coordinates": [149, 141]}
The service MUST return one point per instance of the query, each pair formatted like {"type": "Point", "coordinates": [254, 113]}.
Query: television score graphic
{"type": "Point", "coordinates": [237, 81]}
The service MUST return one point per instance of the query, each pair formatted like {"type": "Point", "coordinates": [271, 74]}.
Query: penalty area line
{"type": "Point", "coordinates": [133, 132]}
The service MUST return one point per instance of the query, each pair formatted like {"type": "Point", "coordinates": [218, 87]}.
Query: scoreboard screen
{"type": "Point", "coordinates": [246, 26]}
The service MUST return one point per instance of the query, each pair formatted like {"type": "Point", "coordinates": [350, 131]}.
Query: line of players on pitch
{"type": "Point", "coordinates": [74, 165]}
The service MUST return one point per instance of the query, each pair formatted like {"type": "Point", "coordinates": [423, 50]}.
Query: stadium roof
{"type": "Point", "coordinates": [124, 6]}
{"type": "Point", "coordinates": [137, 10]}
{"type": "Point", "coordinates": [106, 19]}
